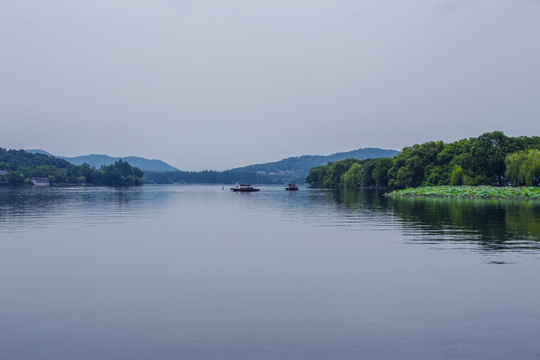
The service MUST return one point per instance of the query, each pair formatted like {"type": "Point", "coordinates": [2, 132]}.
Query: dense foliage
{"type": "Point", "coordinates": [497, 192]}
{"type": "Point", "coordinates": [20, 166]}
{"type": "Point", "coordinates": [523, 167]}
{"type": "Point", "coordinates": [351, 173]}
{"type": "Point", "coordinates": [490, 159]}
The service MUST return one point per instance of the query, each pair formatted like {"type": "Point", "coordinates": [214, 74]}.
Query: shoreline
{"type": "Point", "coordinates": [471, 192]}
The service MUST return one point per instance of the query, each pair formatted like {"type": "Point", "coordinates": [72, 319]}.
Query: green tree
{"type": "Point", "coordinates": [457, 176]}
{"type": "Point", "coordinates": [351, 178]}
{"type": "Point", "coordinates": [112, 176]}
{"type": "Point", "coordinates": [120, 174]}
{"type": "Point", "coordinates": [523, 167]}
{"type": "Point", "coordinates": [316, 175]}
{"type": "Point", "coordinates": [412, 166]}
{"type": "Point", "coordinates": [336, 170]}
{"type": "Point", "coordinates": [380, 172]}
{"type": "Point", "coordinates": [366, 173]}
{"type": "Point", "coordinates": [489, 152]}
{"type": "Point", "coordinates": [15, 178]}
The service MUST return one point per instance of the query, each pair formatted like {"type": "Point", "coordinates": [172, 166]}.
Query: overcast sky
{"type": "Point", "coordinates": [216, 84]}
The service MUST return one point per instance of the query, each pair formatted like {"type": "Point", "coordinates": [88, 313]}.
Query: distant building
{"type": "Point", "coordinates": [40, 181]}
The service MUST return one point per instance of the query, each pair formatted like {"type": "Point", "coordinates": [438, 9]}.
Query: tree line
{"type": "Point", "coordinates": [490, 159]}
{"type": "Point", "coordinates": [209, 177]}
{"type": "Point", "coordinates": [19, 167]}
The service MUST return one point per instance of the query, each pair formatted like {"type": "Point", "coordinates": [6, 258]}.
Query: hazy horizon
{"type": "Point", "coordinates": [127, 156]}
{"type": "Point", "coordinates": [224, 84]}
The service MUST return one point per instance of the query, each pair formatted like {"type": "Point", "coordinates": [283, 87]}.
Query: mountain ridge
{"type": "Point", "coordinates": [293, 168]}
{"type": "Point", "coordinates": [300, 165]}
{"type": "Point", "coordinates": [288, 170]}
{"type": "Point", "coordinates": [98, 160]}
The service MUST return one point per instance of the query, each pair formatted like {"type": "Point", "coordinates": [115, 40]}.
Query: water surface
{"type": "Point", "coordinates": [198, 272]}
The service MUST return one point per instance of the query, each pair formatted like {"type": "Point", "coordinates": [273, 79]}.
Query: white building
{"type": "Point", "coordinates": [40, 181]}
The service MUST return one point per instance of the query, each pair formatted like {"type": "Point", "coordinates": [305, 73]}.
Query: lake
{"type": "Point", "coordinates": [199, 272]}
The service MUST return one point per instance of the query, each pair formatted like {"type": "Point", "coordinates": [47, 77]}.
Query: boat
{"type": "Point", "coordinates": [292, 187]}
{"type": "Point", "coordinates": [244, 188]}
{"type": "Point", "coordinates": [40, 181]}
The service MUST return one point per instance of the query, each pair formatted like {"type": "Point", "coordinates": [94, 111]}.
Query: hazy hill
{"type": "Point", "coordinates": [300, 165]}
{"type": "Point", "coordinates": [293, 169]}
{"type": "Point", "coordinates": [104, 160]}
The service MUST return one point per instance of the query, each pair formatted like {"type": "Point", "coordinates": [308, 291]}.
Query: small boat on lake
{"type": "Point", "coordinates": [244, 188]}
{"type": "Point", "coordinates": [292, 187]}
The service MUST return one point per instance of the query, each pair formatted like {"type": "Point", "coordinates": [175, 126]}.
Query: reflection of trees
{"type": "Point", "coordinates": [495, 224]}
{"type": "Point", "coordinates": [37, 203]}
{"type": "Point", "coordinates": [525, 218]}
{"type": "Point", "coordinates": [21, 202]}
{"type": "Point", "coordinates": [353, 199]}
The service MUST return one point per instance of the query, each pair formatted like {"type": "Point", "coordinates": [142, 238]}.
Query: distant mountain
{"type": "Point", "coordinates": [289, 170]}
{"type": "Point", "coordinates": [299, 166]}
{"type": "Point", "coordinates": [105, 160]}
{"type": "Point", "coordinates": [39, 151]}
{"type": "Point", "coordinates": [292, 169]}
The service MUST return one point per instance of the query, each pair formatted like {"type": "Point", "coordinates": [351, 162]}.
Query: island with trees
{"type": "Point", "coordinates": [18, 167]}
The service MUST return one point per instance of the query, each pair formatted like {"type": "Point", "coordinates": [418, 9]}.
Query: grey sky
{"type": "Point", "coordinates": [210, 84]}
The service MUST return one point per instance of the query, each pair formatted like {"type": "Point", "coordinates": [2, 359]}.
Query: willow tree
{"type": "Point", "coordinates": [351, 178]}
{"type": "Point", "coordinates": [523, 167]}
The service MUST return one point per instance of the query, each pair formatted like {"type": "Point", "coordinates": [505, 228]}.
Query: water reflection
{"type": "Point", "coordinates": [171, 272]}
{"type": "Point", "coordinates": [22, 207]}
{"type": "Point", "coordinates": [353, 199]}
{"type": "Point", "coordinates": [493, 224]}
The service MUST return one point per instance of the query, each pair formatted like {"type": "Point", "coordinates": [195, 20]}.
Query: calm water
{"type": "Point", "coordinates": [197, 272]}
